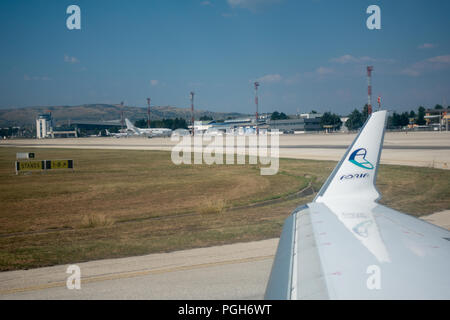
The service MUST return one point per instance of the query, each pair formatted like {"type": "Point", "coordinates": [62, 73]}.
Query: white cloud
{"type": "Point", "coordinates": [428, 65]}
{"type": "Point", "coordinates": [427, 46]}
{"type": "Point", "coordinates": [370, 59]}
{"type": "Point", "coordinates": [323, 71]}
{"type": "Point", "coordinates": [252, 5]}
{"type": "Point", "coordinates": [70, 59]}
{"type": "Point", "coordinates": [293, 79]}
{"type": "Point", "coordinates": [410, 72]}
{"type": "Point", "coordinates": [270, 78]}
{"type": "Point", "coordinates": [154, 82]}
{"type": "Point", "coordinates": [441, 59]}
{"type": "Point", "coordinates": [347, 58]}
{"type": "Point", "coordinates": [344, 59]}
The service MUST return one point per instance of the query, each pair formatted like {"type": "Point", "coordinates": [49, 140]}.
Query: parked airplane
{"type": "Point", "coordinates": [150, 132]}
{"type": "Point", "coordinates": [180, 132]}
{"type": "Point", "coordinates": [117, 135]}
{"type": "Point", "coordinates": [96, 135]}
{"type": "Point", "coordinates": [345, 245]}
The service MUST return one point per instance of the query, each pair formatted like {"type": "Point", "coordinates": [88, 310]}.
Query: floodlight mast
{"type": "Point", "coordinates": [192, 111]}
{"type": "Point", "coordinates": [148, 112]}
{"type": "Point", "coordinates": [369, 89]}
{"type": "Point", "coordinates": [121, 116]}
{"type": "Point", "coordinates": [256, 103]}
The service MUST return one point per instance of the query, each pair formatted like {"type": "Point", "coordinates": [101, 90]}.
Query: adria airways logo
{"type": "Point", "coordinates": [358, 157]}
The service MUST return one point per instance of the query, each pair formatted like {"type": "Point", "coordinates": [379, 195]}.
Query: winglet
{"type": "Point", "coordinates": [355, 175]}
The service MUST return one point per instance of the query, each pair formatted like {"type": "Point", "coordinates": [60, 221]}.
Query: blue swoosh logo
{"type": "Point", "coordinates": [362, 229]}
{"type": "Point", "coordinates": [358, 157]}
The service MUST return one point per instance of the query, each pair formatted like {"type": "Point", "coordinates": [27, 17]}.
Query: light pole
{"type": "Point", "coordinates": [256, 102]}
{"type": "Point", "coordinates": [148, 112]}
{"type": "Point", "coordinates": [192, 111]}
{"type": "Point", "coordinates": [369, 89]}
{"type": "Point", "coordinates": [121, 115]}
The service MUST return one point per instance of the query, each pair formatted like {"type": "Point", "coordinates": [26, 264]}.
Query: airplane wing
{"type": "Point", "coordinates": [344, 245]}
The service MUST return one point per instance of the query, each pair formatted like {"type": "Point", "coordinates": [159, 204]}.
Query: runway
{"type": "Point", "coordinates": [423, 149]}
{"type": "Point", "coordinates": [237, 271]}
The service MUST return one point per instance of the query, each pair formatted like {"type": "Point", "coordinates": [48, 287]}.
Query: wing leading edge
{"type": "Point", "coordinates": [345, 245]}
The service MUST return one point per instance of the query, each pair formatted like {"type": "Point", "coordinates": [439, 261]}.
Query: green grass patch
{"type": "Point", "coordinates": [120, 203]}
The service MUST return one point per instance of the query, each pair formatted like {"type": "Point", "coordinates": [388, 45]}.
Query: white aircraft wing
{"type": "Point", "coordinates": [345, 245]}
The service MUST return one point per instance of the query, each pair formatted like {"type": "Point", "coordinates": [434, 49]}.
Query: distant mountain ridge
{"type": "Point", "coordinates": [101, 112]}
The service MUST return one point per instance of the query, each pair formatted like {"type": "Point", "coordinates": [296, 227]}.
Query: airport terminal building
{"type": "Point", "coordinates": [286, 126]}
{"type": "Point", "coordinates": [295, 125]}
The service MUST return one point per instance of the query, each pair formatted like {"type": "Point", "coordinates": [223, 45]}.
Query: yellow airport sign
{"type": "Point", "coordinates": [43, 165]}
{"type": "Point", "coordinates": [29, 165]}
{"type": "Point", "coordinates": [59, 164]}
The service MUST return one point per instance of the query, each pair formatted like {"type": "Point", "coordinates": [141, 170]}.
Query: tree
{"type": "Point", "coordinates": [365, 113]}
{"type": "Point", "coordinates": [141, 123]}
{"type": "Point", "coordinates": [395, 120]}
{"type": "Point", "coordinates": [206, 118]}
{"type": "Point", "coordinates": [283, 116]}
{"type": "Point", "coordinates": [438, 107]}
{"type": "Point", "coordinates": [389, 124]}
{"type": "Point", "coordinates": [173, 124]}
{"type": "Point", "coordinates": [331, 119]}
{"type": "Point", "coordinates": [275, 115]}
{"type": "Point", "coordinates": [278, 116]}
{"type": "Point", "coordinates": [421, 116]}
{"type": "Point", "coordinates": [399, 120]}
{"type": "Point", "coordinates": [355, 120]}
{"type": "Point", "coordinates": [404, 119]}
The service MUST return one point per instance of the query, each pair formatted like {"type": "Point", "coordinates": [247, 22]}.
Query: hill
{"type": "Point", "coordinates": [101, 112]}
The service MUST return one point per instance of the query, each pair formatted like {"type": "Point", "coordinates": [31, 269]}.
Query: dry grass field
{"type": "Point", "coordinates": [121, 203]}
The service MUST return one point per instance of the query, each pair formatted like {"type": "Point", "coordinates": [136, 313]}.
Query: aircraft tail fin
{"type": "Point", "coordinates": [355, 175]}
{"type": "Point", "coordinates": [130, 126]}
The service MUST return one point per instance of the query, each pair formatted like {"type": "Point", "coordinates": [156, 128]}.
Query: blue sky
{"type": "Point", "coordinates": [307, 54]}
